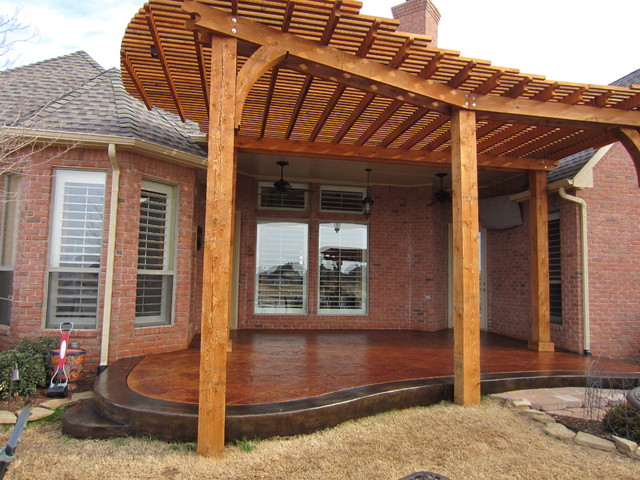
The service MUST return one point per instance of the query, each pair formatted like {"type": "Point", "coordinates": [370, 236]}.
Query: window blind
{"type": "Point", "coordinates": [555, 271]}
{"type": "Point", "coordinates": [341, 199]}
{"type": "Point", "coordinates": [281, 267]}
{"type": "Point", "coordinates": [154, 289]}
{"type": "Point", "coordinates": [343, 268]}
{"type": "Point", "coordinates": [294, 199]}
{"type": "Point", "coordinates": [76, 247]}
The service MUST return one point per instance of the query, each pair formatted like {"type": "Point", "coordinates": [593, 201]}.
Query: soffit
{"type": "Point", "coordinates": [289, 112]}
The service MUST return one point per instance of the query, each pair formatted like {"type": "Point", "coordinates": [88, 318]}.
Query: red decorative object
{"type": "Point", "coordinates": [74, 363]}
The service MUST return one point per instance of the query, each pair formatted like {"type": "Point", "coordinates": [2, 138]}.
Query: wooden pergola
{"type": "Point", "coordinates": [315, 78]}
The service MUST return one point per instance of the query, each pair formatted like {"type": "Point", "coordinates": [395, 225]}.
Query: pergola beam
{"type": "Point", "coordinates": [309, 57]}
{"type": "Point", "coordinates": [302, 148]}
{"type": "Point", "coordinates": [630, 139]}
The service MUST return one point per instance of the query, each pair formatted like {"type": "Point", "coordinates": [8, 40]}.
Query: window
{"type": "Point", "coordinates": [281, 268]}
{"type": "Point", "coordinates": [555, 269]}
{"type": "Point", "coordinates": [8, 238]}
{"type": "Point", "coordinates": [343, 268]}
{"type": "Point", "coordinates": [338, 199]}
{"type": "Point", "coordinates": [154, 291]}
{"type": "Point", "coordinates": [294, 199]}
{"type": "Point", "coordinates": [75, 248]}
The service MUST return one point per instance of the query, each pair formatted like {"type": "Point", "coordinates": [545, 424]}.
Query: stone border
{"type": "Point", "coordinates": [558, 430]}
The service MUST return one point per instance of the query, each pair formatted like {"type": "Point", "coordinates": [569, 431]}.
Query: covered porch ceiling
{"type": "Point", "coordinates": [335, 85]}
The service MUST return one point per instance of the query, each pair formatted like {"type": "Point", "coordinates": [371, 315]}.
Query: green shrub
{"type": "Point", "coordinates": [31, 368]}
{"type": "Point", "coordinates": [623, 421]}
{"type": "Point", "coordinates": [40, 346]}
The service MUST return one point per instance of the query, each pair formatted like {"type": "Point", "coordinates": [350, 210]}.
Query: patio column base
{"type": "Point", "coordinates": [541, 346]}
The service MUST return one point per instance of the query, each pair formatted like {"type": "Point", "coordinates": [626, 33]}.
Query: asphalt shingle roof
{"type": "Point", "coordinates": [74, 94]}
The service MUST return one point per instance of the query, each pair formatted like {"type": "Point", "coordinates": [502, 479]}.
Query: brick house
{"type": "Point", "coordinates": [59, 258]}
{"type": "Point", "coordinates": [305, 259]}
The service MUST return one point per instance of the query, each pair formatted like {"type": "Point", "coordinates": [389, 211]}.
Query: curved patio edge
{"type": "Point", "coordinates": [175, 421]}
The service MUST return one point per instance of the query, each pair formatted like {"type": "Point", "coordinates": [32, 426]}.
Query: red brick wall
{"type": "Point", "coordinates": [407, 262]}
{"type": "Point", "coordinates": [418, 16]}
{"type": "Point", "coordinates": [614, 256]}
{"type": "Point", "coordinates": [31, 257]}
{"type": "Point", "coordinates": [614, 266]}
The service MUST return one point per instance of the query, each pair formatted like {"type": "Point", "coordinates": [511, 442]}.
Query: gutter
{"type": "Point", "coordinates": [111, 249]}
{"type": "Point", "coordinates": [586, 322]}
{"type": "Point", "coordinates": [88, 140]}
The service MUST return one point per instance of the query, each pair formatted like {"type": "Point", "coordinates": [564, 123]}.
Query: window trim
{"type": "Point", "coordinates": [257, 310]}
{"type": "Point", "coordinates": [364, 311]}
{"type": "Point", "coordinates": [299, 185]}
{"type": "Point", "coordinates": [12, 184]}
{"type": "Point", "coordinates": [555, 319]}
{"type": "Point", "coordinates": [60, 177]}
{"type": "Point", "coordinates": [169, 270]}
{"type": "Point", "coordinates": [342, 188]}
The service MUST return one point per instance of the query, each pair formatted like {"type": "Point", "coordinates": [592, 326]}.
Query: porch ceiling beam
{"type": "Point", "coordinates": [336, 65]}
{"type": "Point", "coordinates": [301, 148]}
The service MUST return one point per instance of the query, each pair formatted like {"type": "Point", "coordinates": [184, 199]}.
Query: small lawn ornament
{"type": "Point", "coordinates": [59, 386]}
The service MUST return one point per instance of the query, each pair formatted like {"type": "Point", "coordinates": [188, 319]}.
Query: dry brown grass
{"type": "Point", "coordinates": [487, 441]}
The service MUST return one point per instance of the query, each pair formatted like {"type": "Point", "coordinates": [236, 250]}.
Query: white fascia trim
{"type": "Point", "coordinates": [88, 140]}
{"type": "Point", "coordinates": [584, 178]}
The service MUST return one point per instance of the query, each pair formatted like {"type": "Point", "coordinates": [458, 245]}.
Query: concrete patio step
{"type": "Point", "coordinates": [83, 421]}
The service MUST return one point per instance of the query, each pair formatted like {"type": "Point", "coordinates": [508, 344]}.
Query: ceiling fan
{"type": "Point", "coordinates": [440, 195]}
{"type": "Point", "coordinates": [282, 186]}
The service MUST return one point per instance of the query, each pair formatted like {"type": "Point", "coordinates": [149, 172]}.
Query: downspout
{"type": "Point", "coordinates": [585, 268]}
{"type": "Point", "coordinates": [111, 249]}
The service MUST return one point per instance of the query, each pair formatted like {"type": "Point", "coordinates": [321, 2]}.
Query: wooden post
{"type": "Point", "coordinates": [466, 260]}
{"type": "Point", "coordinates": [539, 227]}
{"type": "Point", "coordinates": [218, 240]}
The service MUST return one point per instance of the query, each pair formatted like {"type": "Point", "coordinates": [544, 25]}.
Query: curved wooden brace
{"type": "Point", "coordinates": [630, 138]}
{"type": "Point", "coordinates": [263, 60]}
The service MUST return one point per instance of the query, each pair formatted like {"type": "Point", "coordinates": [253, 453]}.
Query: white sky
{"type": "Point", "coordinates": [585, 41]}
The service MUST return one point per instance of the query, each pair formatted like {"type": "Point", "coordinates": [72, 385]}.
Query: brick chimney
{"type": "Point", "coordinates": [418, 16]}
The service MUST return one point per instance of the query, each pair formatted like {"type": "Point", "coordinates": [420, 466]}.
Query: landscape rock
{"type": "Point", "coordinates": [625, 445]}
{"type": "Point", "coordinates": [7, 418]}
{"type": "Point", "coordinates": [539, 416]}
{"type": "Point", "coordinates": [76, 397]}
{"type": "Point", "coordinates": [57, 403]}
{"type": "Point", "coordinates": [591, 441]}
{"type": "Point", "coordinates": [559, 431]}
{"type": "Point", "coordinates": [39, 412]}
{"type": "Point", "coordinates": [522, 404]}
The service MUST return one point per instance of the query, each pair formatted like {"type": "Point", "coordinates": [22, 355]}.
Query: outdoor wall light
{"type": "Point", "coordinates": [367, 203]}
